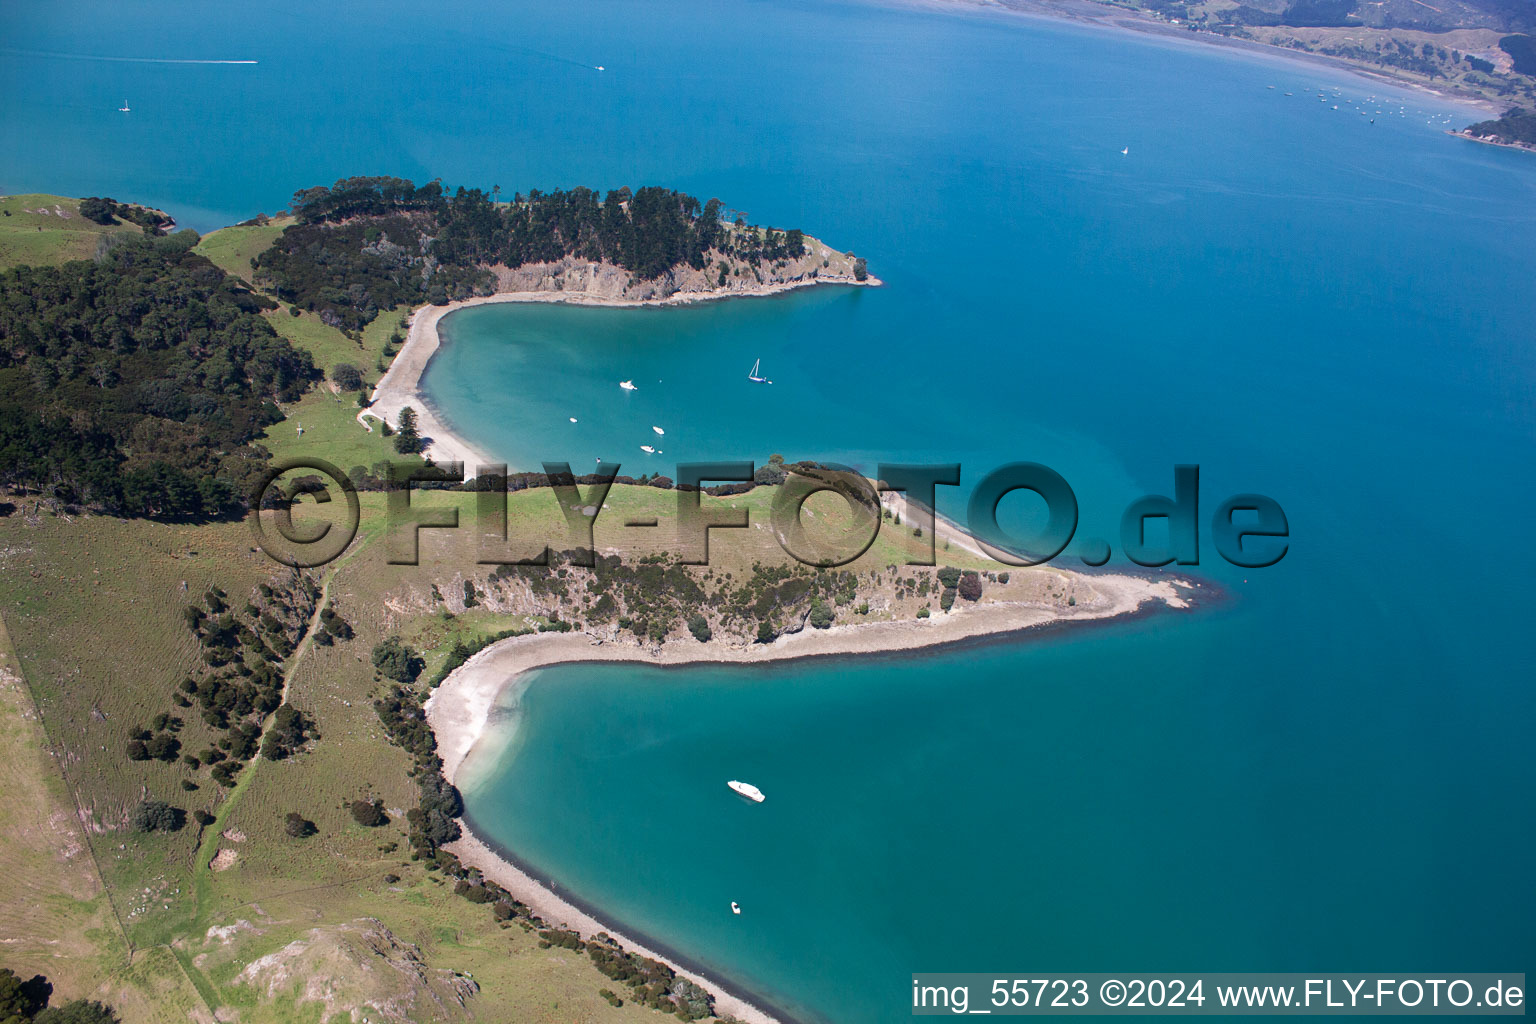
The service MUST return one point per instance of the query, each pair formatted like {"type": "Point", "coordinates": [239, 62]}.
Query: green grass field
{"type": "Point", "coordinates": [232, 249]}
{"type": "Point", "coordinates": [45, 230]}
{"type": "Point", "coordinates": [329, 417]}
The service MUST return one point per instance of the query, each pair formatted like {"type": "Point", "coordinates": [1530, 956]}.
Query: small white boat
{"type": "Point", "coordinates": [735, 907]}
{"type": "Point", "coordinates": [601, 68]}
{"type": "Point", "coordinates": [124, 108]}
{"type": "Point", "coordinates": [573, 419]}
{"type": "Point", "coordinates": [648, 449]}
{"type": "Point", "coordinates": [1126, 151]}
{"type": "Point", "coordinates": [628, 385]}
{"type": "Point", "coordinates": [747, 790]}
{"type": "Point", "coordinates": [756, 376]}
{"type": "Point", "coordinates": [659, 431]}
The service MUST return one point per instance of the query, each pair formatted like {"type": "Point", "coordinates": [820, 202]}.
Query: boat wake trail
{"type": "Point", "coordinates": [555, 58]}
{"type": "Point", "coordinates": [13, 52]}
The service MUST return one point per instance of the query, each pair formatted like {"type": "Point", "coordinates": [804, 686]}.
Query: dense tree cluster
{"type": "Point", "coordinates": [137, 383]}
{"type": "Point", "coordinates": [1522, 51]}
{"type": "Point", "coordinates": [650, 982]}
{"type": "Point", "coordinates": [108, 211]}
{"type": "Point", "coordinates": [395, 660]}
{"type": "Point", "coordinates": [366, 244]}
{"type": "Point", "coordinates": [24, 1001]}
{"type": "Point", "coordinates": [289, 731]}
{"type": "Point", "coordinates": [1515, 126]}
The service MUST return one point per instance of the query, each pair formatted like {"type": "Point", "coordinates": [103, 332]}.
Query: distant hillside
{"type": "Point", "coordinates": [1476, 47]}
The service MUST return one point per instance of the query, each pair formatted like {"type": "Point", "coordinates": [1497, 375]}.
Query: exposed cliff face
{"type": "Point", "coordinates": [608, 281]}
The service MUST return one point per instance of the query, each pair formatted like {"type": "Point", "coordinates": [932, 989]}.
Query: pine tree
{"type": "Point", "coordinates": [407, 441]}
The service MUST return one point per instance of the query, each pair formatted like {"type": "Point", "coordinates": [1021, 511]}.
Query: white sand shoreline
{"type": "Point", "coordinates": [401, 384]}
{"type": "Point", "coordinates": [460, 710]}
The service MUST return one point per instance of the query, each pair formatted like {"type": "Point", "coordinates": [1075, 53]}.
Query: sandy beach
{"type": "Point", "coordinates": [401, 384]}
{"type": "Point", "coordinates": [460, 710]}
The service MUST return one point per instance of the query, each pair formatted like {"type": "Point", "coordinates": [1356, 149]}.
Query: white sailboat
{"type": "Point", "coordinates": [1126, 151]}
{"type": "Point", "coordinates": [756, 376]}
{"type": "Point", "coordinates": [628, 385]}
{"type": "Point", "coordinates": [124, 108]}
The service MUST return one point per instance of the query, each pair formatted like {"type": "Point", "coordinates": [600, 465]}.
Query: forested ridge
{"type": "Point", "coordinates": [137, 383]}
{"type": "Point", "coordinates": [1515, 126]}
{"type": "Point", "coordinates": [366, 244]}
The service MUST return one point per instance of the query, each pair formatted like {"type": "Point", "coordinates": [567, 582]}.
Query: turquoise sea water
{"type": "Point", "coordinates": [1329, 769]}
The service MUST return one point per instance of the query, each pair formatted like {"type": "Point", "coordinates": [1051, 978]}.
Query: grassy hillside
{"type": "Point", "coordinates": [48, 230]}
{"type": "Point", "coordinates": [94, 606]}
{"type": "Point", "coordinates": [233, 248]}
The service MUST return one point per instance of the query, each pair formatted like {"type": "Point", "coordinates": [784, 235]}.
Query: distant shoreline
{"type": "Point", "coordinates": [1112, 18]}
{"type": "Point", "coordinates": [461, 712]}
{"type": "Point", "coordinates": [1464, 134]}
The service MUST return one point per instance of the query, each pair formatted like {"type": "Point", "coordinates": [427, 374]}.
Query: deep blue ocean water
{"type": "Point", "coordinates": [1328, 770]}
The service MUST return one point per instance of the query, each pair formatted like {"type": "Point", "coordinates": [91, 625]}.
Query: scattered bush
{"type": "Point", "coordinates": [395, 660]}
{"type": "Point", "coordinates": [347, 377]}
{"type": "Point", "coordinates": [970, 586]}
{"type": "Point", "coordinates": [821, 614]}
{"type": "Point", "coordinates": [369, 813]}
{"type": "Point", "coordinates": [298, 826]}
{"type": "Point", "coordinates": [156, 816]}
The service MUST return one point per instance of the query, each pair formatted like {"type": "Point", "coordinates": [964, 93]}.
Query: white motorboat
{"type": "Point", "coordinates": [628, 385]}
{"type": "Point", "coordinates": [747, 790]}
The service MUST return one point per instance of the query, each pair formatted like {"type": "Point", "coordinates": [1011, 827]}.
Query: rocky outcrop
{"type": "Point", "coordinates": [611, 282]}
{"type": "Point", "coordinates": [362, 964]}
